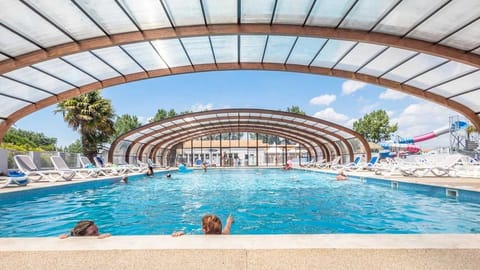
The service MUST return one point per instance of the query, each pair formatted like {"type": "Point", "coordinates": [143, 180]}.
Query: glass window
{"type": "Point", "coordinates": [451, 17]}
{"type": "Point", "coordinates": [414, 66]}
{"type": "Point", "coordinates": [292, 12]}
{"type": "Point", "coordinates": [10, 105]}
{"type": "Point", "coordinates": [38, 79]}
{"type": "Point", "coordinates": [366, 13]}
{"type": "Point", "coordinates": [466, 39]}
{"type": "Point", "coordinates": [336, 10]}
{"type": "Point", "coordinates": [470, 100]}
{"type": "Point", "coordinates": [118, 59]}
{"type": "Point", "coordinates": [220, 11]}
{"type": "Point", "coordinates": [109, 15]}
{"type": "Point", "coordinates": [13, 44]}
{"type": "Point", "coordinates": [278, 48]}
{"type": "Point", "coordinates": [225, 48]}
{"type": "Point", "coordinates": [359, 55]}
{"type": "Point", "coordinates": [185, 12]}
{"type": "Point", "coordinates": [332, 52]}
{"type": "Point", "coordinates": [15, 89]}
{"type": "Point", "coordinates": [171, 52]}
{"type": "Point", "coordinates": [145, 55]}
{"type": "Point", "coordinates": [254, 11]}
{"type": "Point", "coordinates": [465, 83]}
{"type": "Point", "coordinates": [406, 15]}
{"type": "Point", "coordinates": [22, 19]}
{"type": "Point", "coordinates": [443, 73]}
{"type": "Point", "coordinates": [65, 71]}
{"type": "Point", "coordinates": [386, 60]}
{"type": "Point", "coordinates": [251, 48]}
{"type": "Point", "coordinates": [148, 14]}
{"type": "Point", "coordinates": [305, 50]}
{"type": "Point", "coordinates": [66, 15]}
{"type": "Point", "coordinates": [89, 63]}
{"type": "Point", "coordinates": [199, 50]}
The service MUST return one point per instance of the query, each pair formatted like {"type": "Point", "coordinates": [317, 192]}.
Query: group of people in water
{"type": "Point", "coordinates": [211, 224]}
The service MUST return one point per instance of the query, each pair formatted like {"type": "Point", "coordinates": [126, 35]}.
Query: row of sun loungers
{"type": "Point", "coordinates": [28, 171]}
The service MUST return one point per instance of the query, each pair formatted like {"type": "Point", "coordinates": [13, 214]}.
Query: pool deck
{"type": "Point", "coordinates": [328, 251]}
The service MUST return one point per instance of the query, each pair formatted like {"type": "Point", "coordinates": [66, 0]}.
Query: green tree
{"type": "Point", "coordinates": [375, 126]}
{"type": "Point", "coordinates": [295, 109]}
{"type": "Point", "coordinates": [160, 115]}
{"type": "Point", "coordinates": [75, 147]}
{"type": "Point", "coordinates": [92, 116]}
{"type": "Point", "coordinates": [29, 140]}
{"type": "Point", "coordinates": [124, 123]}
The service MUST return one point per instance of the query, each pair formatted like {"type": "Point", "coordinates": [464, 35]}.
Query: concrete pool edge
{"type": "Point", "coordinates": [253, 242]}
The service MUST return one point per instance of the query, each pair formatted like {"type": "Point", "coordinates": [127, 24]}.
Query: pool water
{"type": "Point", "coordinates": [262, 201]}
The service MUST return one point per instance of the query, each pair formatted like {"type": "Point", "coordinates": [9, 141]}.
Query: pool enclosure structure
{"type": "Point", "coordinates": [54, 50]}
{"type": "Point", "coordinates": [238, 137]}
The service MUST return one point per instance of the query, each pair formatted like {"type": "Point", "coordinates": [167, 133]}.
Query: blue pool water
{"type": "Point", "coordinates": [262, 201]}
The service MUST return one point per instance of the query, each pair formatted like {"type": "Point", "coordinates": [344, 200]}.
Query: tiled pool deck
{"type": "Point", "coordinates": [342, 251]}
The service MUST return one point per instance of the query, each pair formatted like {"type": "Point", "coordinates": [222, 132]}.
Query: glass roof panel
{"type": "Point", "coordinates": [465, 83]}
{"type": "Point", "coordinates": [477, 51]}
{"type": "Point", "coordinates": [145, 55]}
{"type": "Point", "coordinates": [254, 11]}
{"type": "Point", "coordinates": [465, 39]}
{"type": "Point", "coordinates": [148, 14]}
{"type": "Point", "coordinates": [15, 89]}
{"type": "Point", "coordinates": [470, 99]}
{"type": "Point", "coordinates": [366, 13]}
{"type": "Point", "coordinates": [109, 15]}
{"type": "Point", "coordinates": [251, 48]}
{"type": "Point", "coordinates": [65, 72]}
{"type": "Point", "coordinates": [385, 61]}
{"type": "Point", "coordinates": [220, 11]}
{"type": "Point", "coordinates": [3, 57]}
{"type": "Point", "coordinates": [185, 12]}
{"type": "Point", "coordinates": [332, 52]}
{"type": "Point", "coordinates": [199, 50]}
{"type": "Point", "coordinates": [443, 73]}
{"type": "Point", "coordinates": [451, 17]}
{"type": "Point", "coordinates": [406, 15]}
{"type": "Point", "coordinates": [14, 45]}
{"type": "Point", "coordinates": [359, 55]}
{"type": "Point", "coordinates": [133, 136]}
{"type": "Point", "coordinates": [171, 52]}
{"type": "Point", "coordinates": [414, 66]}
{"type": "Point", "coordinates": [336, 10]}
{"type": "Point", "coordinates": [292, 12]}
{"type": "Point", "coordinates": [10, 105]}
{"type": "Point", "coordinates": [68, 17]}
{"type": "Point", "coordinates": [38, 79]}
{"type": "Point", "coordinates": [225, 48]}
{"type": "Point", "coordinates": [278, 48]}
{"type": "Point", "coordinates": [305, 50]}
{"type": "Point", "coordinates": [30, 24]}
{"type": "Point", "coordinates": [89, 63]}
{"type": "Point", "coordinates": [118, 59]}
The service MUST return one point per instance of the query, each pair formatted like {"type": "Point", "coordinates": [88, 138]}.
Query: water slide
{"type": "Point", "coordinates": [408, 144]}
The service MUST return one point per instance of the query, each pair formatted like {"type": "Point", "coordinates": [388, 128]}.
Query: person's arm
{"type": "Point", "coordinates": [177, 234]}
{"type": "Point", "coordinates": [228, 226]}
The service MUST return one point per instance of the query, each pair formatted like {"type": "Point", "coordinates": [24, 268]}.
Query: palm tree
{"type": "Point", "coordinates": [92, 116]}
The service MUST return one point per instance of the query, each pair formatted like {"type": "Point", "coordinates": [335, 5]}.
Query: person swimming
{"type": "Point", "coordinates": [85, 228]}
{"type": "Point", "coordinates": [212, 224]}
{"type": "Point", "coordinates": [341, 176]}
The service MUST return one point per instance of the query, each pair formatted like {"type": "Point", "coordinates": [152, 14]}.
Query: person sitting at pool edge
{"type": "Point", "coordinates": [150, 171]}
{"type": "Point", "coordinates": [85, 228]}
{"type": "Point", "coordinates": [341, 176]}
{"type": "Point", "coordinates": [211, 224]}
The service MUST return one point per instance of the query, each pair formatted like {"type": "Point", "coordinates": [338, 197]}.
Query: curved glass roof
{"type": "Point", "coordinates": [53, 50]}
{"type": "Point", "coordinates": [320, 137]}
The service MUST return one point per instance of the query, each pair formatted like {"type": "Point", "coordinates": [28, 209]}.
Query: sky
{"type": "Point", "coordinates": [329, 98]}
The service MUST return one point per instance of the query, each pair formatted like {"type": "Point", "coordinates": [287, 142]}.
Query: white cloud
{"type": "Point", "coordinates": [144, 119]}
{"type": "Point", "coordinates": [329, 114]}
{"type": "Point", "coordinates": [421, 118]}
{"type": "Point", "coordinates": [348, 87]}
{"type": "Point", "coordinates": [392, 94]}
{"type": "Point", "coordinates": [201, 107]}
{"type": "Point", "coordinates": [323, 100]}
{"type": "Point", "coordinates": [369, 108]}
{"type": "Point", "coordinates": [349, 123]}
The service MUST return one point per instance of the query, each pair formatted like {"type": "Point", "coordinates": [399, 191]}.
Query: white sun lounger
{"type": "Point", "coordinates": [26, 165]}
{"type": "Point", "coordinates": [60, 165]}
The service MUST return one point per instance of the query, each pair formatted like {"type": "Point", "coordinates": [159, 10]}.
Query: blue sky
{"type": "Point", "coordinates": [333, 99]}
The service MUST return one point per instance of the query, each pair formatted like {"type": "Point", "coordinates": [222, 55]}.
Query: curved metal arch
{"type": "Point", "coordinates": [311, 149]}
{"type": "Point", "coordinates": [243, 117]}
{"type": "Point", "coordinates": [191, 31]}
{"type": "Point", "coordinates": [184, 137]}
